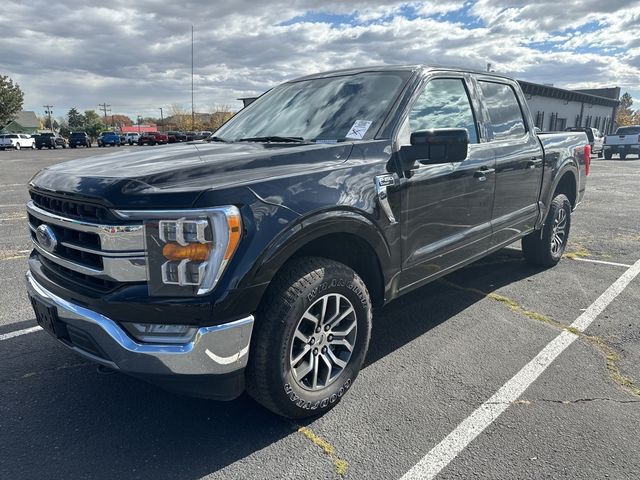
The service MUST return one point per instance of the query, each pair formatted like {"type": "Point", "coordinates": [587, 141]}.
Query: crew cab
{"type": "Point", "coordinates": [50, 140]}
{"type": "Point", "coordinates": [109, 138]}
{"type": "Point", "coordinates": [625, 141]}
{"type": "Point", "coordinates": [17, 141]}
{"type": "Point", "coordinates": [254, 260]}
{"type": "Point", "coordinates": [79, 139]}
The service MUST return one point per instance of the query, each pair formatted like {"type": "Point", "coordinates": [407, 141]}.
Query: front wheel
{"type": "Point", "coordinates": [545, 247]}
{"type": "Point", "coordinates": [17, 146]}
{"type": "Point", "coordinates": [310, 339]}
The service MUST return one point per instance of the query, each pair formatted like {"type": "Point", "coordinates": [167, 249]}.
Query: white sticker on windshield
{"type": "Point", "coordinates": [358, 129]}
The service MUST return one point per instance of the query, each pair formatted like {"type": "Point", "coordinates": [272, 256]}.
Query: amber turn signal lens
{"type": "Point", "coordinates": [235, 232]}
{"type": "Point", "coordinates": [197, 252]}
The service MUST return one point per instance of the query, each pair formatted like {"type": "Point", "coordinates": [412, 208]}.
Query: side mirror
{"type": "Point", "coordinates": [444, 145]}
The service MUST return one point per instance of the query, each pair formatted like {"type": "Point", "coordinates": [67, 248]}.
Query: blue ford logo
{"type": "Point", "coordinates": [46, 238]}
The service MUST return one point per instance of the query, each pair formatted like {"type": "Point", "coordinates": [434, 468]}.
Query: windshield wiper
{"type": "Point", "coordinates": [217, 139]}
{"type": "Point", "coordinates": [272, 138]}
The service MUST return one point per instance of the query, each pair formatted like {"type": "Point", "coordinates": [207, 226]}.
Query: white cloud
{"type": "Point", "coordinates": [136, 55]}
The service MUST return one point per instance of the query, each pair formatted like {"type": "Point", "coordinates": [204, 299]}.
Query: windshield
{"type": "Point", "coordinates": [628, 131]}
{"type": "Point", "coordinates": [350, 107]}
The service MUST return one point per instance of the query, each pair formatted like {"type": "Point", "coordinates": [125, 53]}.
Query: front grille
{"type": "Point", "coordinates": [70, 278]}
{"type": "Point", "coordinates": [97, 256]}
{"type": "Point", "coordinates": [85, 212]}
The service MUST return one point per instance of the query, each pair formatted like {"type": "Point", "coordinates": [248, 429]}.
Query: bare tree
{"type": "Point", "coordinates": [219, 115]}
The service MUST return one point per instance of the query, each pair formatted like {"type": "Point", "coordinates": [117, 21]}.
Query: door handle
{"type": "Point", "coordinates": [534, 162]}
{"type": "Point", "coordinates": [481, 174]}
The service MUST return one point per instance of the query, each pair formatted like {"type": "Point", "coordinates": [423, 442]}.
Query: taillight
{"type": "Point", "coordinates": [587, 158]}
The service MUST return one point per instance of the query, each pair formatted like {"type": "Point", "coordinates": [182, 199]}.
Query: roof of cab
{"type": "Point", "coordinates": [396, 68]}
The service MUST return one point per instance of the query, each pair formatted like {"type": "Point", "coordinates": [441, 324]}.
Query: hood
{"type": "Point", "coordinates": [180, 173]}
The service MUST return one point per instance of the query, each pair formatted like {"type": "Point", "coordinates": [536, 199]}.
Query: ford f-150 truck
{"type": "Point", "coordinates": [254, 260]}
{"type": "Point", "coordinates": [625, 141]}
{"type": "Point", "coordinates": [50, 140]}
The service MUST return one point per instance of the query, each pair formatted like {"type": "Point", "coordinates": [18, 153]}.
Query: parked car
{"type": "Point", "coordinates": [596, 139]}
{"type": "Point", "coordinates": [201, 135]}
{"type": "Point", "coordinates": [17, 141]}
{"type": "Point", "coordinates": [190, 136]}
{"type": "Point", "coordinates": [625, 141]}
{"type": "Point", "coordinates": [79, 139]}
{"type": "Point", "coordinates": [50, 140]}
{"type": "Point", "coordinates": [123, 138]}
{"type": "Point", "coordinates": [255, 260]}
{"type": "Point", "coordinates": [109, 138]}
{"type": "Point", "coordinates": [176, 137]}
{"type": "Point", "coordinates": [131, 137]}
{"type": "Point", "coordinates": [153, 138]}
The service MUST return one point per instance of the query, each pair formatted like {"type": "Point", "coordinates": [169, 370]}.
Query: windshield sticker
{"type": "Point", "coordinates": [358, 129]}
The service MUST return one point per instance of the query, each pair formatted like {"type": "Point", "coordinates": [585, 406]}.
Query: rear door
{"type": "Point", "coordinates": [446, 208]}
{"type": "Point", "coordinates": [519, 160]}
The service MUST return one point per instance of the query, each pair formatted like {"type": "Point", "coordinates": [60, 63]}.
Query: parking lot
{"type": "Point", "coordinates": [445, 364]}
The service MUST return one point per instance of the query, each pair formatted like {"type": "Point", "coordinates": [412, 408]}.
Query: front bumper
{"type": "Point", "coordinates": [220, 350]}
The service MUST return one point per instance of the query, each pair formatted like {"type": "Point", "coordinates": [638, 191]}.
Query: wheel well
{"type": "Point", "coordinates": [567, 186]}
{"type": "Point", "coordinates": [354, 252]}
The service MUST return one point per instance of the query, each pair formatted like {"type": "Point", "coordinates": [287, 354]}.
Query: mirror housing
{"type": "Point", "coordinates": [442, 145]}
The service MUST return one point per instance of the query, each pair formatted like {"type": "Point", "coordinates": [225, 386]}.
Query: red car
{"type": "Point", "coordinates": [153, 138]}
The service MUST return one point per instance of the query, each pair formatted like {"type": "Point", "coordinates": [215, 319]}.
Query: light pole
{"type": "Point", "coordinates": [48, 111]}
{"type": "Point", "coordinates": [161, 121]}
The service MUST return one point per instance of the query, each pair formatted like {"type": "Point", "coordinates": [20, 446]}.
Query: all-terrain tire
{"type": "Point", "coordinates": [545, 247]}
{"type": "Point", "coordinates": [300, 313]}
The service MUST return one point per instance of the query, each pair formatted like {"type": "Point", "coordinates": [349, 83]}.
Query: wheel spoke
{"type": "Point", "coordinates": [329, 365]}
{"type": "Point", "coordinates": [323, 314]}
{"type": "Point", "coordinates": [344, 332]}
{"type": "Point", "coordinates": [342, 342]}
{"type": "Point", "coordinates": [339, 317]}
{"type": "Point", "coordinates": [316, 364]}
{"type": "Point", "coordinates": [301, 355]}
{"type": "Point", "coordinates": [304, 370]}
{"type": "Point", "coordinates": [302, 337]}
{"type": "Point", "coordinates": [336, 360]}
{"type": "Point", "coordinates": [307, 315]}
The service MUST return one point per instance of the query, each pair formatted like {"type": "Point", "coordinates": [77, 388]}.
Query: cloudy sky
{"type": "Point", "coordinates": [136, 55]}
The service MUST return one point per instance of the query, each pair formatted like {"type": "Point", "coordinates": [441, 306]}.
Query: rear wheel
{"type": "Point", "coordinates": [623, 156]}
{"type": "Point", "coordinates": [310, 339]}
{"type": "Point", "coordinates": [545, 247]}
{"type": "Point", "coordinates": [608, 155]}
{"type": "Point", "coordinates": [600, 154]}
{"type": "Point", "coordinates": [17, 146]}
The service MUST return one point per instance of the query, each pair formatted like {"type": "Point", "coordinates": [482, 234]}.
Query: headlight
{"type": "Point", "coordinates": [187, 254]}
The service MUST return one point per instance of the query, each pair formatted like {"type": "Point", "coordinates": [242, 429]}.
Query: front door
{"type": "Point", "coordinates": [446, 208]}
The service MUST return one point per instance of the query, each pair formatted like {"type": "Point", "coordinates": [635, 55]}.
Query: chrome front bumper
{"type": "Point", "coordinates": [215, 350]}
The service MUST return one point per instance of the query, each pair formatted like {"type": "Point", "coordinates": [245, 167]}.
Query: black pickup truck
{"type": "Point", "coordinates": [50, 140]}
{"type": "Point", "coordinates": [254, 261]}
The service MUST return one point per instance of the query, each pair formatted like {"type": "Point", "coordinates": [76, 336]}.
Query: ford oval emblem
{"type": "Point", "coordinates": [46, 238]}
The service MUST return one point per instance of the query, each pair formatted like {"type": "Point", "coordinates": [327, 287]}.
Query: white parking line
{"type": "Point", "coordinates": [603, 262]}
{"type": "Point", "coordinates": [442, 454]}
{"type": "Point", "coordinates": [17, 333]}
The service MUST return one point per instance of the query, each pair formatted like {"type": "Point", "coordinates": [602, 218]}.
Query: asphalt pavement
{"type": "Point", "coordinates": [437, 356]}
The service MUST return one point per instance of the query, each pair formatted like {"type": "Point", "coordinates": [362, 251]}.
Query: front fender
{"type": "Point", "coordinates": [314, 226]}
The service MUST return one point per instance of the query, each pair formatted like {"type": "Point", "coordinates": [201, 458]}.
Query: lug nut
{"type": "Point", "coordinates": [312, 341]}
{"type": "Point", "coordinates": [318, 330]}
{"type": "Point", "coordinates": [330, 337]}
{"type": "Point", "coordinates": [315, 351]}
{"type": "Point", "coordinates": [326, 328]}
{"type": "Point", "coordinates": [324, 349]}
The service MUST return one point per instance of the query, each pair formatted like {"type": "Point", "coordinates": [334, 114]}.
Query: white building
{"type": "Point", "coordinates": [555, 109]}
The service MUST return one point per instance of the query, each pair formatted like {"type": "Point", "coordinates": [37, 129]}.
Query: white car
{"type": "Point", "coordinates": [17, 141]}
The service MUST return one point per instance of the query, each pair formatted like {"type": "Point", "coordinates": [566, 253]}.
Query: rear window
{"type": "Point", "coordinates": [78, 134]}
{"type": "Point", "coordinates": [12, 136]}
{"type": "Point", "coordinates": [628, 131]}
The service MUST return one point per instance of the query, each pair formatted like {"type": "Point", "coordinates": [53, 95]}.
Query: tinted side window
{"type": "Point", "coordinates": [443, 103]}
{"type": "Point", "coordinates": [504, 110]}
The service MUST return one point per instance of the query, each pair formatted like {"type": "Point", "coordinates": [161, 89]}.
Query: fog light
{"type": "Point", "coordinates": [160, 333]}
